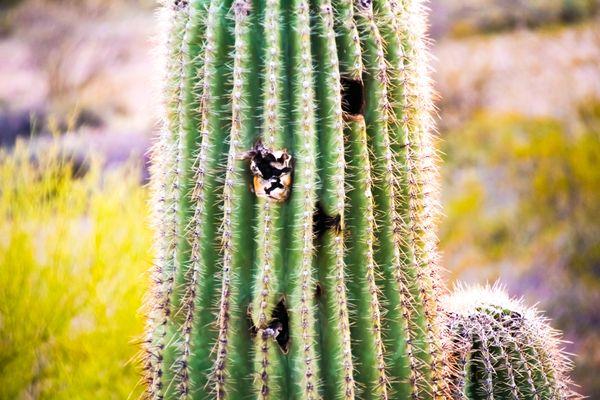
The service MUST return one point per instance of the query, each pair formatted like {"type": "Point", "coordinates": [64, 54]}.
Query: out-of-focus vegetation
{"type": "Point", "coordinates": [542, 181]}
{"type": "Point", "coordinates": [492, 16]}
{"type": "Point", "coordinates": [89, 4]}
{"type": "Point", "coordinates": [523, 205]}
{"type": "Point", "coordinates": [74, 248]}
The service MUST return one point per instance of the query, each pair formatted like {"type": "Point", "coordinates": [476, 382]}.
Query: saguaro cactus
{"type": "Point", "coordinates": [294, 201]}
{"type": "Point", "coordinates": [504, 350]}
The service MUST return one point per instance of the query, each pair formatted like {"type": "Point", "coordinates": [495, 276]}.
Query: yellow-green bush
{"type": "Point", "coordinates": [528, 179]}
{"type": "Point", "coordinates": [73, 255]}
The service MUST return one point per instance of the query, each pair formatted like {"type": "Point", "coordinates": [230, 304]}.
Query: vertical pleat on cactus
{"type": "Point", "coordinates": [294, 204]}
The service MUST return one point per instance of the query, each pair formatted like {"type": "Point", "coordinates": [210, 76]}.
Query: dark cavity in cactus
{"type": "Point", "coordinates": [504, 350]}
{"type": "Point", "coordinates": [294, 207]}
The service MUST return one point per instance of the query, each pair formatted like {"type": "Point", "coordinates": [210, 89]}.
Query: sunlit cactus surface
{"type": "Point", "coordinates": [504, 350]}
{"type": "Point", "coordinates": [294, 204]}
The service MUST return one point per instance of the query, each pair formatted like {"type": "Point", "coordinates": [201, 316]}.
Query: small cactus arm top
{"type": "Point", "coordinates": [504, 350]}
{"type": "Point", "coordinates": [294, 203]}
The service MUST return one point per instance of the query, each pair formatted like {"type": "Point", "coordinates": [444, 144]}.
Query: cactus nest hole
{"type": "Point", "coordinates": [353, 101]}
{"type": "Point", "coordinates": [272, 172]}
{"type": "Point", "coordinates": [323, 222]}
{"type": "Point", "coordinates": [278, 327]}
{"type": "Point", "coordinates": [318, 290]}
{"type": "Point", "coordinates": [280, 320]}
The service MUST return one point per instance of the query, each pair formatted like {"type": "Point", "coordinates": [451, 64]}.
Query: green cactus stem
{"type": "Point", "coordinates": [294, 204]}
{"type": "Point", "coordinates": [504, 350]}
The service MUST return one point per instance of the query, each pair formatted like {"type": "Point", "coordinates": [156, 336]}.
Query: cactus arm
{"type": "Point", "coordinates": [514, 352]}
{"type": "Point", "coordinates": [203, 225]}
{"type": "Point", "coordinates": [232, 365]}
{"type": "Point", "coordinates": [305, 373]}
{"type": "Point", "coordinates": [503, 337]}
{"type": "Point", "coordinates": [337, 365]}
{"type": "Point", "coordinates": [368, 346]}
{"type": "Point", "coordinates": [348, 42]}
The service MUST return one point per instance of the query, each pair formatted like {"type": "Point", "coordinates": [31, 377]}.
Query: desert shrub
{"type": "Point", "coordinates": [541, 174]}
{"type": "Point", "coordinates": [501, 15]}
{"type": "Point", "coordinates": [74, 246]}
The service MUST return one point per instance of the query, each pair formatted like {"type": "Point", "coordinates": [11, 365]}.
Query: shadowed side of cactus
{"type": "Point", "coordinates": [504, 350]}
{"type": "Point", "coordinates": [294, 204]}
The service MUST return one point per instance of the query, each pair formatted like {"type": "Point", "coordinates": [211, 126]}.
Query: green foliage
{"type": "Point", "coordinates": [546, 184]}
{"type": "Point", "coordinates": [74, 247]}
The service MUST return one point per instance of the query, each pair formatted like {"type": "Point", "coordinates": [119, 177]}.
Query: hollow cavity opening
{"type": "Point", "coordinates": [353, 101]}
{"type": "Point", "coordinates": [280, 324]}
{"type": "Point", "coordinates": [323, 222]}
{"type": "Point", "coordinates": [318, 290]}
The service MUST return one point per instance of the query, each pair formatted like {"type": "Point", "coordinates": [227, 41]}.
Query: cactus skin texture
{"type": "Point", "coordinates": [330, 292]}
{"type": "Point", "coordinates": [504, 350]}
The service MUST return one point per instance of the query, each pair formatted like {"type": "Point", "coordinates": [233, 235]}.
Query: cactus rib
{"type": "Point", "coordinates": [337, 369]}
{"type": "Point", "coordinates": [270, 218]}
{"type": "Point", "coordinates": [368, 328]}
{"type": "Point", "coordinates": [305, 373]}
{"type": "Point", "coordinates": [422, 172]}
{"type": "Point", "coordinates": [237, 211]}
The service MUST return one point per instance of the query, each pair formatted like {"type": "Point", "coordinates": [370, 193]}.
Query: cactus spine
{"type": "Point", "coordinates": [294, 202]}
{"type": "Point", "coordinates": [503, 350]}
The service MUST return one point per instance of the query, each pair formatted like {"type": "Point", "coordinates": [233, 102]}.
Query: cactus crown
{"type": "Point", "coordinates": [504, 350]}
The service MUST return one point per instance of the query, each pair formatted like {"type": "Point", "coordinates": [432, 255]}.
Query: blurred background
{"type": "Point", "coordinates": [519, 128]}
